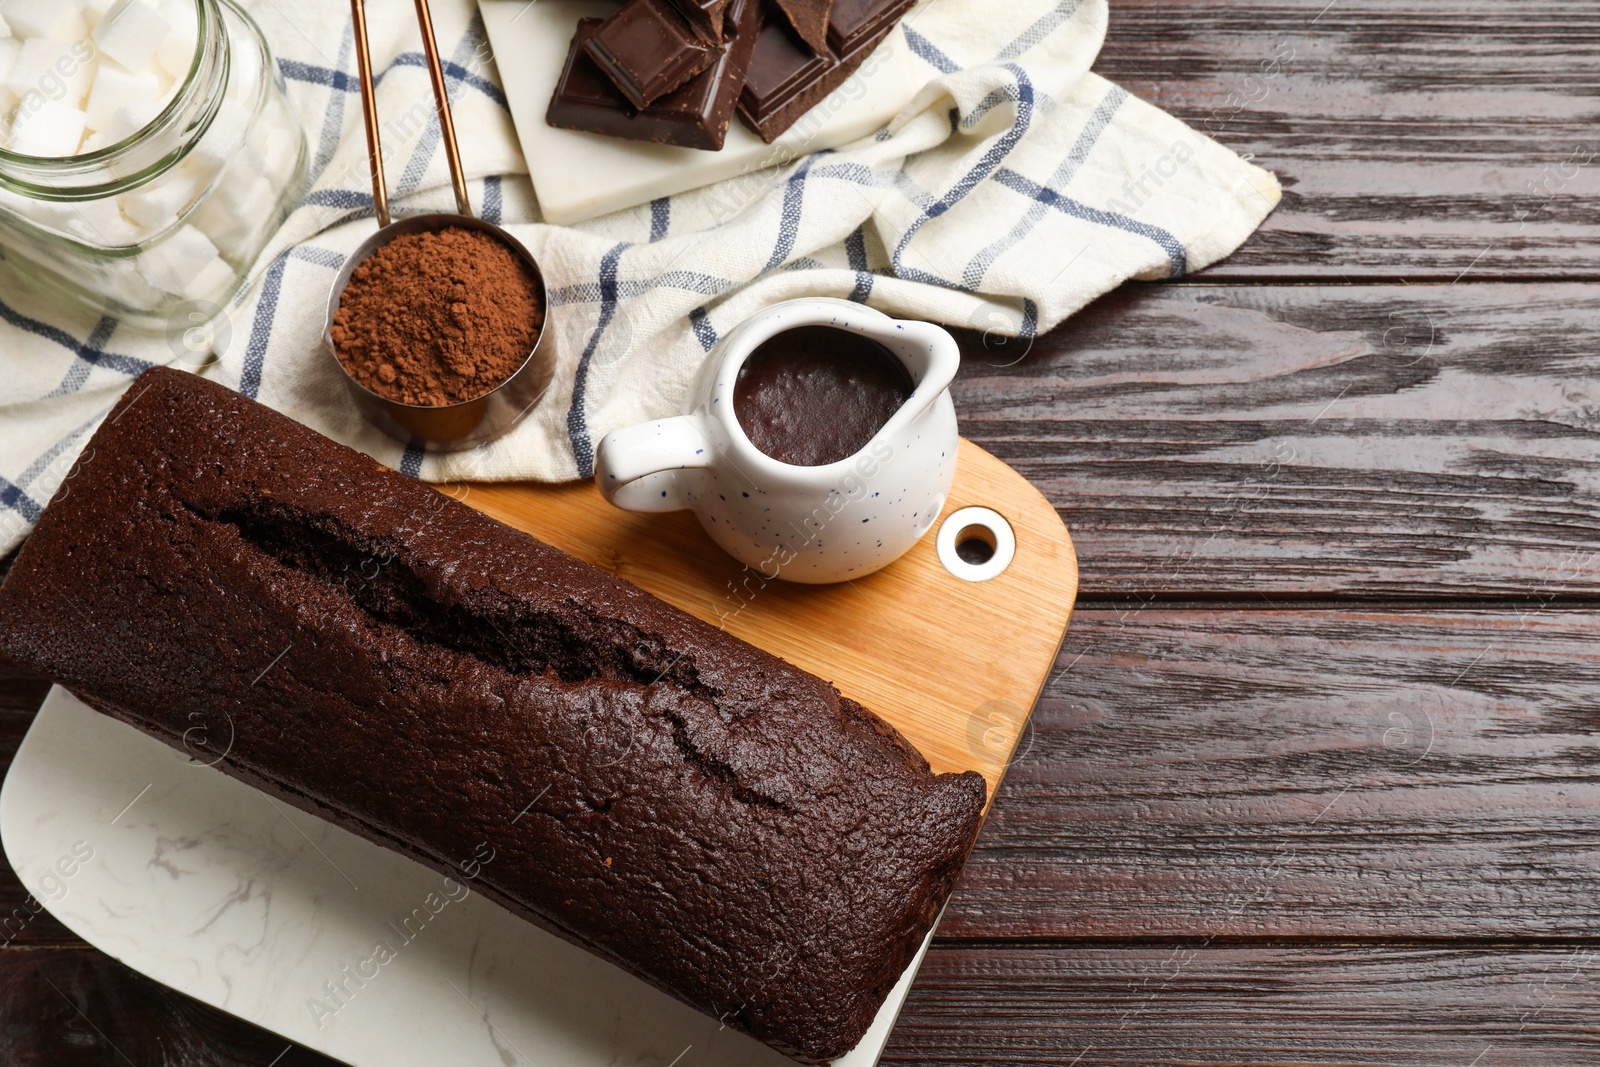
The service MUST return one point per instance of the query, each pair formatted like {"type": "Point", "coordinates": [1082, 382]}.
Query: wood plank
{"type": "Point", "coordinates": [1412, 143]}
{"type": "Point", "coordinates": [1177, 1006]}
{"type": "Point", "coordinates": [1205, 774]}
{"type": "Point", "coordinates": [65, 1007]}
{"type": "Point", "coordinates": [1142, 1005]}
{"type": "Point", "coordinates": [1382, 441]}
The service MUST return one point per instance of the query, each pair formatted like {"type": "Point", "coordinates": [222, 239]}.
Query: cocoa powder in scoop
{"type": "Point", "coordinates": [437, 318]}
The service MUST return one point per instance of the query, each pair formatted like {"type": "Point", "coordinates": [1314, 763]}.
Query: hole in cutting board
{"type": "Point", "coordinates": [976, 544]}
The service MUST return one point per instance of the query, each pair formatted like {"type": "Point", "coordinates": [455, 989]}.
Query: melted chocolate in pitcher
{"type": "Point", "coordinates": [818, 394]}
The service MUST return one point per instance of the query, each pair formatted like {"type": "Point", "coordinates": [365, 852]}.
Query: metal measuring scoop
{"type": "Point", "coordinates": [447, 427]}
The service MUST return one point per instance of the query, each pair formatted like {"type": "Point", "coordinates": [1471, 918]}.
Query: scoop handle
{"type": "Point", "coordinates": [441, 100]}
{"type": "Point", "coordinates": [369, 112]}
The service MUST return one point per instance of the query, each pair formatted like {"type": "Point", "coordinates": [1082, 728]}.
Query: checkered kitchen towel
{"type": "Point", "coordinates": [1014, 189]}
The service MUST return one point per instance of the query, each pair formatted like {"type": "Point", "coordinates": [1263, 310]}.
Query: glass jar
{"type": "Point", "coordinates": [169, 218]}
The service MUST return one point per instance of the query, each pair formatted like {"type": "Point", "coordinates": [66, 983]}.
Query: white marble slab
{"type": "Point", "coordinates": [240, 901]}
{"type": "Point", "coordinates": [579, 176]}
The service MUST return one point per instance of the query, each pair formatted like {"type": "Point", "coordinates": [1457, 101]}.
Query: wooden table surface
{"type": "Point", "coordinates": [1315, 781]}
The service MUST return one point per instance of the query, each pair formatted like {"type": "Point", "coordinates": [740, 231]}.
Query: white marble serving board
{"type": "Point", "coordinates": [253, 907]}
{"type": "Point", "coordinates": [579, 176]}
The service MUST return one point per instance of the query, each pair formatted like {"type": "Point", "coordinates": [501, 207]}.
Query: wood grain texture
{"type": "Point", "coordinates": [1316, 774]}
{"type": "Point", "coordinates": [1414, 141]}
{"type": "Point", "coordinates": [1132, 1006]}
{"type": "Point", "coordinates": [1186, 1005]}
{"type": "Point", "coordinates": [1381, 441]}
{"type": "Point", "coordinates": [76, 1006]}
{"type": "Point", "coordinates": [877, 638]}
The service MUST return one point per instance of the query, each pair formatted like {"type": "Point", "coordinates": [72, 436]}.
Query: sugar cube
{"type": "Point", "coordinates": [45, 127]}
{"type": "Point", "coordinates": [176, 53]}
{"type": "Point", "coordinates": [115, 86]}
{"type": "Point", "coordinates": [174, 263]}
{"type": "Point", "coordinates": [246, 59]}
{"type": "Point", "coordinates": [231, 230]}
{"type": "Point", "coordinates": [215, 282]}
{"type": "Point", "coordinates": [220, 144]}
{"type": "Point", "coordinates": [98, 222]}
{"type": "Point", "coordinates": [94, 11]}
{"type": "Point", "coordinates": [230, 125]}
{"type": "Point", "coordinates": [46, 214]}
{"type": "Point", "coordinates": [126, 284]}
{"type": "Point", "coordinates": [157, 205]}
{"type": "Point", "coordinates": [133, 116]}
{"type": "Point", "coordinates": [10, 49]}
{"type": "Point", "coordinates": [56, 70]}
{"type": "Point", "coordinates": [130, 33]}
{"type": "Point", "coordinates": [44, 18]}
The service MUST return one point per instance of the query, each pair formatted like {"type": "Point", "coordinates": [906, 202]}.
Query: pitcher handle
{"type": "Point", "coordinates": [640, 467]}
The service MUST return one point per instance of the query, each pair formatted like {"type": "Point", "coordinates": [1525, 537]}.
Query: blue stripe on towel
{"type": "Point", "coordinates": [978, 268]}
{"type": "Point", "coordinates": [255, 353]}
{"type": "Point", "coordinates": [85, 350]}
{"type": "Point", "coordinates": [314, 74]}
{"type": "Point", "coordinates": [345, 199]}
{"type": "Point", "coordinates": [928, 52]}
{"type": "Point", "coordinates": [660, 217]}
{"type": "Point", "coordinates": [855, 250]}
{"type": "Point", "coordinates": [411, 460]}
{"type": "Point", "coordinates": [704, 332]}
{"type": "Point", "coordinates": [89, 357]}
{"type": "Point", "coordinates": [577, 421]}
{"type": "Point", "coordinates": [454, 71]}
{"type": "Point", "coordinates": [42, 464]}
{"type": "Point", "coordinates": [1033, 35]}
{"type": "Point", "coordinates": [794, 202]}
{"type": "Point", "coordinates": [493, 200]}
{"type": "Point", "coordinates": [13, 498]}
{"type": "Point", "coordinates": [431, 136]}
{"type": "Point", "coordinates": [1068, 206]}
{"type": "Point", "coordinates": [991, 160]}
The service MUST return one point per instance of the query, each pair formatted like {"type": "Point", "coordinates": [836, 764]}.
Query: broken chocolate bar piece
{"type": "Point", "coordinates": [786, 78]}
{"type": "Point", "coordinates": [647, 49]}
{"type": "Point", "coordinates": [695, 115]}
{"type": "Point", "coordinates": [853, 22]}
{"type": "Point", "coordinates": [809, 19]}
{"type": "Point", "coordinates": [708, 17]}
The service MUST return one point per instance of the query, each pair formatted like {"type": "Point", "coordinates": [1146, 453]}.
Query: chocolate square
{"type": "Point", "coordinates": [854, 22]}
{"type": "Point", "coordinates": [787, 78]}
{"type": "Point", "coordinates": [781, 67]}
{"type": "Point", "coordinates": [647, 49]}
{"type": "Point", "coordinates": [695, 115]}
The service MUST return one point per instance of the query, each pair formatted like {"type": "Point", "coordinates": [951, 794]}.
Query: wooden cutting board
{"type": "Point", "coordinates": [955, 665]}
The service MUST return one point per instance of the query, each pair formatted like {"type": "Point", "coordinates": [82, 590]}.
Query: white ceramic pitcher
{"type": "Point", "coordinates": [804, 524]}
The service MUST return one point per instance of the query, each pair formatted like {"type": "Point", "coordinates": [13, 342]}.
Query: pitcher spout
{"type": "Point", "coordinates": [932, 357]}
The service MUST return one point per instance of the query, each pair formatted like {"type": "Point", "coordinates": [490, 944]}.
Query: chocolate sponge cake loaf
{"type": "Point", "coordinates": [700, 813]}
